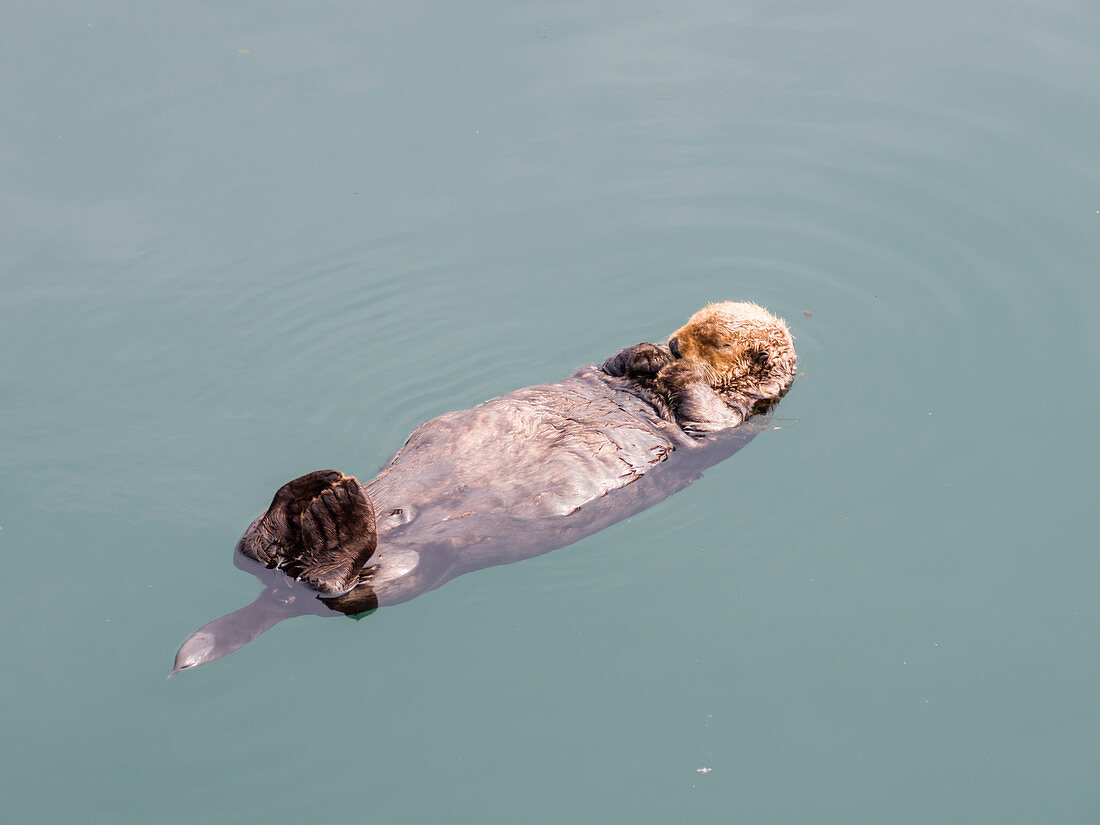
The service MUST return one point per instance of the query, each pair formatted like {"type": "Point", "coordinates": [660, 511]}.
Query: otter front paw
{"type": "Point", "coordinates": [679, 374]}
{"type": "Point", "coordinates": [639, 361]}
{"type": "Point", "coordinates": [696, 405]}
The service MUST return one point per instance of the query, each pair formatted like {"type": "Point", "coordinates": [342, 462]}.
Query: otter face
{"type": "Point", "coordinates": [738, 347]}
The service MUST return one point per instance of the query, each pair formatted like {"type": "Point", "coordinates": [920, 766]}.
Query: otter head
{"type": "Point", "coordinates": [738, 347]}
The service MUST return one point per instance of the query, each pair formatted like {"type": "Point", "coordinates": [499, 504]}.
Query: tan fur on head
{"type": "Point", "coordinates": [739, 347]}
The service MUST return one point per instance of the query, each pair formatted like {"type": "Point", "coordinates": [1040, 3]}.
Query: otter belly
{"type": "Point", "coordinates": [537, 453]}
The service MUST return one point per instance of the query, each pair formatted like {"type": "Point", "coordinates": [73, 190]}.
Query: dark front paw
{"type": "Point", "coordinates": [638, 361]}
{"type": "Point", "coordinates": [679, 374]}
{"type": "Point", "coordinates": [646, 360]}
{"type": "Point", "coordinates": [697, 407]}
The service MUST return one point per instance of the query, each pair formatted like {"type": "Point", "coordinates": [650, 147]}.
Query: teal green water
{"type": "Point", "coordinates": [241, 242]}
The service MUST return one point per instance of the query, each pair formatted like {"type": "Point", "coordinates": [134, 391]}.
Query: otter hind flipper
{"type": "Point", "coordinates": [272, 538]}
{"type": "Point", "coordinates": [339, 536]}
{"type": "Point", "coordinates": [320, 528]}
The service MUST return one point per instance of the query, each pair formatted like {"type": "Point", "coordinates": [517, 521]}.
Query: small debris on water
{"type": "Point", "coordinates": [702, 770]}
{"type": "Point", "coordinates": [807, 313]}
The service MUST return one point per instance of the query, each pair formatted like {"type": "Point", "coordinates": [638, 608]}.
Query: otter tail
{"type": "Point", "coordinates": [222, 636]}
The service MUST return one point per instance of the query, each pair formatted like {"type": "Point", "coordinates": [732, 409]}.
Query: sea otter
{"type": "Point", "coordinates": [517, 476]}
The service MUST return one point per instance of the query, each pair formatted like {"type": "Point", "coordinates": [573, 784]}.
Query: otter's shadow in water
{"type": "Point", "coordinates": [284, 598]}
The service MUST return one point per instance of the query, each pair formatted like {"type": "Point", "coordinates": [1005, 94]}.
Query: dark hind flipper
{"type": "Point", "coordinates": [274, 537]}
{"type": "Point", "coordinates": [338, 537]}
{"type": "Point", "coordinates": [319, 528]}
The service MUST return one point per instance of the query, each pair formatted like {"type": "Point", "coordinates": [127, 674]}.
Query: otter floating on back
{"type": "Point", "coordinates": [515, 477]}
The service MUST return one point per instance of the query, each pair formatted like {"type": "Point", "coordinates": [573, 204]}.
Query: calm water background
{"type": "Point", "coordinates": [240, 242]}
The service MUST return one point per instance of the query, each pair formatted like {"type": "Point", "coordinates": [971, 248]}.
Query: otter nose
{"type": "Point", "coordinates": [674, 346]}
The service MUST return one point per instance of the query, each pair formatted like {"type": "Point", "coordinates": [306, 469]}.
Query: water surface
{"type": "Point", "coordinates": [241, 243]}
